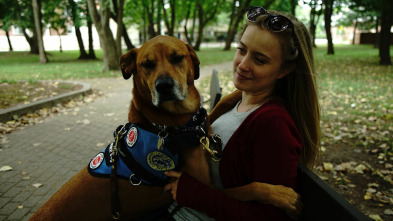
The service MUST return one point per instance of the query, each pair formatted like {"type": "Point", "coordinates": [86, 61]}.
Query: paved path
{"type": "Point", "coordinates": [51, 152]}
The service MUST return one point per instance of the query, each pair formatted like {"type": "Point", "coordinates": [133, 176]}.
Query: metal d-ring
{"type": "Point", "coordinates": [135, 184]}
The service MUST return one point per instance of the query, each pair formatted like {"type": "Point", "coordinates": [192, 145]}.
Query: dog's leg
{"type": "Point", "coordinates": [85, 197]}
{"type": "Point", "coordinates": [195, 161]}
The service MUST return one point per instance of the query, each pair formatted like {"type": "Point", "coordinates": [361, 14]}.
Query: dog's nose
{"type": "Point", "coordinates": [164, 84]}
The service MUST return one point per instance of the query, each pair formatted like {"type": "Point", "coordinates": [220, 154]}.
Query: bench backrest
{"type": "Point", "coordinates": [321, 202]}
{"type": "Point", "coordinates": [215, 90]}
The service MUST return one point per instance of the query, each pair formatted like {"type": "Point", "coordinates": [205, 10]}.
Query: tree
{"type": "Point", "coordinates": [149, 12]}
{"type": "Point", "coordinates": [169, 22]}
{"type": "Point", "coordinates": [56, 16]}
{"type": "Point", "coordinates": [74, 10]}
{"type": "Point", "coordinates": [238, 10]}
{"type": "Point", "coordinates": [123, 29]}
{"type": "Point", "coordinates": [101, 21]}
{"type": "Point", "coordinates": [207, 9]}
{"type": "Point", "coordinates": [21, 13]}
{"type": "Point", "coordinates": [6, 18]}
{"type": "Point", "coordinates": [384, 12]}
{"type": "Point", "coordinates": [386, 24]}
{"type": "Point", "coordinates": [190, 9]}
{"type": "Point", "coordinates": [37, 21]}
{"type": "Point", "coordinates": [328, 20]}
{"type": "Point", "coordinates": [315, 14]}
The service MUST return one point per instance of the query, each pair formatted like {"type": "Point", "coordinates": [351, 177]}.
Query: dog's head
{"type": "Point", "coordinates": [163, 69]}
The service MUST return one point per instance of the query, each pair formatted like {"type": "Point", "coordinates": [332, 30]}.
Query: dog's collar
{"type": "Point", "coordinates": [197, 124]}
{"type": "Point", "coordinates": [191, 132]}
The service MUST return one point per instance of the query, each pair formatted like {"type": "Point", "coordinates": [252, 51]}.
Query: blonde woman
{"type": "Point", "coordinates": [267, 126]}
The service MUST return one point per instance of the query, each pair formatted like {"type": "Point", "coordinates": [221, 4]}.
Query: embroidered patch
{"type": "Point", "coordinates": [132, 136]}
{"type": "Point", "coordinates": [160, 161]}
{"type": "Point", "coordinates": [96, 161]}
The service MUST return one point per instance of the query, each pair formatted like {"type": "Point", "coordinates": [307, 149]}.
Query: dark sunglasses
{"type": "Point", "coordinates": [275, 23]}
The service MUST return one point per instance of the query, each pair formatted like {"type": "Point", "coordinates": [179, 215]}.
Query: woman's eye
{"type": "Point", "coordinates": [260, 61]}
{"type": "Point", "coordinates": [241, 50]}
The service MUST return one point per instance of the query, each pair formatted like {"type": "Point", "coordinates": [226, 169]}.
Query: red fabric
{"type": "Point", "coordinates": [265, 148]}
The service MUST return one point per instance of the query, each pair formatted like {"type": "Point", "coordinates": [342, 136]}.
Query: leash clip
{"type": "Point", "coordinates": [205, 141]}
{"type": "Point", "coordinates": [161, 138]}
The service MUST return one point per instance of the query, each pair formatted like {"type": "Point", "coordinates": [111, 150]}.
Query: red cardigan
{"type": "Point", "coordinates": [265, 148]}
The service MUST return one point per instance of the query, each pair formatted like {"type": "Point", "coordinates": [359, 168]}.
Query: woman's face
{"type": "Point", "coordinates": [257, 62]}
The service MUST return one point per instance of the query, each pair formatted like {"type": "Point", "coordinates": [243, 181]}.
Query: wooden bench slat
{"type": "Point", "coordinates": [321, 202]}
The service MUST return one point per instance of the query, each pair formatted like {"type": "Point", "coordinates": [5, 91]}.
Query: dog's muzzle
{"type": "Point", "coordinates": [166, 89]}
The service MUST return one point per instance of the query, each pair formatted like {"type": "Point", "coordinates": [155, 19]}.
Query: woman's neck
{"type": "Point", "coordinates": [251, 101]}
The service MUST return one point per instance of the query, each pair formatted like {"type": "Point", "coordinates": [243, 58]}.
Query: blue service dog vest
{"type": "Point", "coordinates": [140, 160]}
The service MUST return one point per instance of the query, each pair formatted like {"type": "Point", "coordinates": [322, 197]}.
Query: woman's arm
{"type": "Point", "coordinates": [279, 196]}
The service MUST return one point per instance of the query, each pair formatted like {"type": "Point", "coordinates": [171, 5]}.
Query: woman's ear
{"type": "Point", "coordinates": [286, 70]}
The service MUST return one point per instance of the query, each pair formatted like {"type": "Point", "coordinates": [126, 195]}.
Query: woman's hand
{"type": "Point", "coordinates": [172, 186]}
{"type": "Point", "coordinates": [279, 196]}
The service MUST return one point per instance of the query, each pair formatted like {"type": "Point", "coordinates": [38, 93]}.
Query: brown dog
{"type": "Point", "coordinates": [163, 70]}
{"type": "Point", "coordinates": [164, 97]}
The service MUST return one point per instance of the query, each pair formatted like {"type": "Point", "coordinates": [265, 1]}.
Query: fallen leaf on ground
{"type": "Point", "coordinates": [5, 168]}
{"type": "Point", "coordinates": [37, 185]}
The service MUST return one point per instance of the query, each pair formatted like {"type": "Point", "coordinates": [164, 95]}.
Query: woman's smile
{"type": "Point", "coordinates": [241, 76]}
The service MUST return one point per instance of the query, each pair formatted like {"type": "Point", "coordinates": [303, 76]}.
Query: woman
{"type": "Point", "coordinates": [267, 125]}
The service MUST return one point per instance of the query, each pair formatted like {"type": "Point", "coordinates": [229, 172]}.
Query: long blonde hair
{"type": "Point", "coordinates": [299, 88]}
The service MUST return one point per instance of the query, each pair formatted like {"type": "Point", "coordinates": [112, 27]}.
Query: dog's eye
{"type": "Point", "coordinates": [175, 59]}
{"type": "Point", "coordinates": [148, 64]}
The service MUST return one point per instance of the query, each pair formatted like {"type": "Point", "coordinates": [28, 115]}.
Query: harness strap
{"type": "Point", "coordinates": [137, 169]}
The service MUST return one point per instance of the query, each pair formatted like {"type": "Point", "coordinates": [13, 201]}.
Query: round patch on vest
{"type": "Point", "coordinates": [96, 161]}
{"type": "Point", "coordinates": [132, 136]}
{"type": "Point", "coordinates": [160, 161]}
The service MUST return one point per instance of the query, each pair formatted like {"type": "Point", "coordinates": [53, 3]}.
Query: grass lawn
{"type": "Point", "coordinates": [22, 66]}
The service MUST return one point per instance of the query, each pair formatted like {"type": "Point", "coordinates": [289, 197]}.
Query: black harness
{"type": "Point", "coordinates": [146, 164]}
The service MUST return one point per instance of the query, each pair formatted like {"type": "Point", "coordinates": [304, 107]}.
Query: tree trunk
{"type": "Point", "coordinates": [37, 21]}
{"type": "Point", "coordinates": [124, 30]}
{"type": "Point", "coordinates": [386, 24]}
{"type": "Point", "coordinates": [82, 51]}
{"type": "Point", "coordinates": [150, 18]}
{"type": "Point", "coordinates": [9, 41]}
{"type": "Point", "coordinates": [314, 17]}
{"type": "Point", "coordinates": [293, 7]}
{"type": "Point", "coordinates": [108, 43]}
{"type": "Point", "coordinates": [120, 27]}
{"type": "Point", "coordinates": [170, 26]}
{"type": "Point", "coordinates": [32, 41]}
{"type": "Point", "coordinates": [377, 35]}
{"type": "Point", "coordinates": [92, 54]}
{"type": "Point", "coordinates": [61, 47]}
{"type": "Point", "coordinates": [203, 20]}
{"type": "Point", "coordinates": [237, 16]}
{"type": "Point", "coordinates": [127, 39]}
{"type": "Point", "coordinates": [354, 31]}
{"type": "Point", "coordinates": [328, 20]}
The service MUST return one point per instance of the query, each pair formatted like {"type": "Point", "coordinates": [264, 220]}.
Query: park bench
{"type": "Point", "coordinates": [320, 201]}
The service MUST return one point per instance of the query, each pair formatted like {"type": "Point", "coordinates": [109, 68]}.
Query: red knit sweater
{"type": "Point", "coordinates": [265, 148]}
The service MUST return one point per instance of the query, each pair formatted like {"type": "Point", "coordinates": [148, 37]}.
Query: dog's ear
{"type": "Point", "coordinates": [128, 63]}
{"type": "Point", "coordinates": [195, 61]}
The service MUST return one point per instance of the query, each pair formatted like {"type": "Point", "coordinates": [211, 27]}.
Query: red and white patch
{"type": "Point", "coordinates": [96, 161]}
{"type": "Point", "coordinates": [132, 136]}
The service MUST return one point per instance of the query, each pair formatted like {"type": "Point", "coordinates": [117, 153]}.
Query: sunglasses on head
{"type": "Point", "coordinates": [275, 23]}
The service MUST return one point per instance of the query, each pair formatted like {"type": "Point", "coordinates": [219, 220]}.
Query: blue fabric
{"type": "Point", "coordinates": [142, 145]}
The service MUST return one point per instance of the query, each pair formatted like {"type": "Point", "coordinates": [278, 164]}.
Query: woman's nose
{"type": "Point", "coordinates": [244, 63]}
